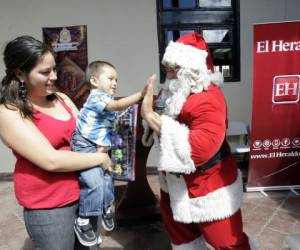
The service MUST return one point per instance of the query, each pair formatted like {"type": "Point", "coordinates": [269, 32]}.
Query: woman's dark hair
{"type": "Point", "coordinates": [22, 53]}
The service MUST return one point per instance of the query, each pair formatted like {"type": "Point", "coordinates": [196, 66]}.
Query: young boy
{"type": "Point", "coordinates": [93, 133]}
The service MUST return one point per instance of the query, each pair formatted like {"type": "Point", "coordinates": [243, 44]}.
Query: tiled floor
{"type": "Point", "coordinates": [267, 220]}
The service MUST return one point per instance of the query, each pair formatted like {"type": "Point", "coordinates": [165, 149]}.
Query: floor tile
{"type": "Point", "coordinates": [270, 240]}
{"type": "Point", "coordinates": [282, 222]}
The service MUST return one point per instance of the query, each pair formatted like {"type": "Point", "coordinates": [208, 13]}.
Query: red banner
{"type": "Point", "coordinates": [274, 161]}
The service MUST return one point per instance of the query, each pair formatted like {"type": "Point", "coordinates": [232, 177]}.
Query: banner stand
{"type": "Point", "coordinates": [274, 159]}
{"type": "Point", "coordinates": [274, 188]}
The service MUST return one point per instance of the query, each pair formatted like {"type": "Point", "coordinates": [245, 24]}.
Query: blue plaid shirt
{"type": "Point", "coordinates": [95, 123]}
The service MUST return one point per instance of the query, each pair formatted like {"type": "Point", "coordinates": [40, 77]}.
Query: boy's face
{"type": "Point", "coordinates": [107, 80]}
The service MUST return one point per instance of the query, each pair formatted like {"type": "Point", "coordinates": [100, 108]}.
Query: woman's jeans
{"type": "Point", "coordinates": [53, 229]}
{"type": "Point", "coordinates": [96, 184]}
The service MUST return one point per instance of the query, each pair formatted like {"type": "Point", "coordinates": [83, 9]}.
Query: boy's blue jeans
{"type": "Point", "coordinates": [96, 185]}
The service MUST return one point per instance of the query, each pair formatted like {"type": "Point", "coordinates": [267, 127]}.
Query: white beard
{"type": "Point", "coordinates": [173, 96]}
{"type": "Point", "coordinates": [176, 91]}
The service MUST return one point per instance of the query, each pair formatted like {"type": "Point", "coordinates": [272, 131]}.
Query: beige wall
{"type": "Point", "coordinates": [124, 33]}
{"type": "Point", "coordinates": [7, 160]}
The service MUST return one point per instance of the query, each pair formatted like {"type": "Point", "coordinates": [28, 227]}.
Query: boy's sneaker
{"type": "Point", "coordinates": [85, 234]}
{"type": "Point", "coordinates": [108, 221]}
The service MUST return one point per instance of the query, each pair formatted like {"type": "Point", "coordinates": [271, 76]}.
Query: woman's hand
{"type": "Point", "coordinates": [106, 164]}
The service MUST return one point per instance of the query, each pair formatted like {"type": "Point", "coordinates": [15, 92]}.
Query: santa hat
{"type": "Point", "coordinates": [191, 52]}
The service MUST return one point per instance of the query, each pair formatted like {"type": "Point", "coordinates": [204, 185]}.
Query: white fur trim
{"type": "Point", "coordinates": [175, 148]}
{"type": "Point", "coordinates": [219, 204]}
{"type": "Point", "coordinates": [185, 56]}
{"type": "Point", "coordinates": [193, 68]}
{"type": "Point", "coordinates": [147, 139]}
{"type": "Point", "coordinates": [197, 244]}
{"type": "Point", "coordinates": [174, 96]}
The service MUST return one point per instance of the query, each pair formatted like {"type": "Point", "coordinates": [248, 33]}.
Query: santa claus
{"type": "Point", "coordinates": [201, 187]}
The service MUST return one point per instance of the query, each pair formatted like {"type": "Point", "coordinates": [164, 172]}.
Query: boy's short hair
{"type": "Point", "coordinates": [95, 68]}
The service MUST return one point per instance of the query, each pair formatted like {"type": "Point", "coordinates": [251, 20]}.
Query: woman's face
{"type": "Point", "coordinates": [40, 80]}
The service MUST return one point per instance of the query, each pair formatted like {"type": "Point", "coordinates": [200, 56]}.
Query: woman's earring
{"type": "Point", "coordinates": [22, 90]}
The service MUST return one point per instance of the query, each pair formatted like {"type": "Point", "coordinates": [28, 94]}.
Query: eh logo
{"type": "Point", "coordinates": [286, 89]}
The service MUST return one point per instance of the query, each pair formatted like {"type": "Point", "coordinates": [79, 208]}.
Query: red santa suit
{"type": "Point", "coordinates": [193, 123]}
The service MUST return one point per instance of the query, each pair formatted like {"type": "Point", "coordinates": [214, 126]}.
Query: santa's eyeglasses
{"type": "Point", "coordinates": [168, 69]}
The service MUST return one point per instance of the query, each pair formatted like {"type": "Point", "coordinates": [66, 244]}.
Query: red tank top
{"type": "Point", "coordinates": [36, 188]}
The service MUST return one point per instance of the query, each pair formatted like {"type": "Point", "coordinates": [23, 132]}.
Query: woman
{"type": "Point", "coordinates": [37, 122]}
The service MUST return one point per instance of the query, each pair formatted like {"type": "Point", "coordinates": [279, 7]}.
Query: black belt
{"type": "Point", "coordinates": [223, 152]}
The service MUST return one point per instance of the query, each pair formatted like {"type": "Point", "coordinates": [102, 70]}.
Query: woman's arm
{"type": "Point", "coordinates": [24, 137]}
